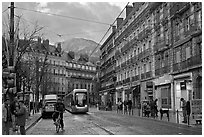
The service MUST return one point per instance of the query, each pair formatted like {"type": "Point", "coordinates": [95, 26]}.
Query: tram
{"type": "Point", "coordinates": [77, 101]}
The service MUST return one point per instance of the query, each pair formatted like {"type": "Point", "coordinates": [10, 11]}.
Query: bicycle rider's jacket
{"type": "Point", "coordinates": [59, 107]}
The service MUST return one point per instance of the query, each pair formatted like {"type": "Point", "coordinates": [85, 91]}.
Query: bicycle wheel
{"type": "Point", "coordinates": [57, 127]}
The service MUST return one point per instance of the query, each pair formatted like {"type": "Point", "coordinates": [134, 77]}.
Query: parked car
{"type": "Point", "coordinates": [48, 105]}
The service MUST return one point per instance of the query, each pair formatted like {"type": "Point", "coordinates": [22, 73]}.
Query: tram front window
{"type": "Point", "coordinates": [81, 99]}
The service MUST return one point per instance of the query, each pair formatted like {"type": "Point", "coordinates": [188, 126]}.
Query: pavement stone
{"type": "Point", "coordinates": [172, 117]}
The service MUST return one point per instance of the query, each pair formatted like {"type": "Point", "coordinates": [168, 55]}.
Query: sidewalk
{"type": "Point", "coordinates": [30, 121]}
{"type": "Point", "coordinates": [172, 117]}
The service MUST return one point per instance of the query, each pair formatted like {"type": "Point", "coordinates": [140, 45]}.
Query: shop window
{"type": "Point", "coordinates": [166, 97]}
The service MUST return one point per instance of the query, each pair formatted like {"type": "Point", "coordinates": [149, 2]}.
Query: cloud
{"type": "Point", "coordinates": [95, 11]}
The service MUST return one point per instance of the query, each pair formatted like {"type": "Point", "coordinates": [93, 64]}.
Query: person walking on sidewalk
{"type": "Point", "coordinates": [155, 108]}
{"type": "Point", "coordinates": [6, 117]}
{"type": "Point", "coordinates": [14, 105]}
{"type": "Point", "coordinates": [129, 106]}
{"type": "Point", "coordinates": [125, 107]}
{"type": "Point", "coordinates": [183, 106]}
{"type": "Point", "coordinates": [21, 117]}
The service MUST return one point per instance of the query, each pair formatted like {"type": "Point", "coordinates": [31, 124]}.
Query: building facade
{"type": "Point", "coordinates": [81, 75]}
{"type": "Point", "coordinates": [158, 53]}
{"type": "Point", "coordinates": [63, 72]}
{"type": "Point", "coordinates": [107, 75]}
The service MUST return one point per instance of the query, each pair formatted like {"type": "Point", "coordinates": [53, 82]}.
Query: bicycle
{"type": "Point", "coordinates": [57, 123]}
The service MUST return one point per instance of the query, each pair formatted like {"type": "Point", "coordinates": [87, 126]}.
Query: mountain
{"type": "Point", "coordinates": [81, 46]}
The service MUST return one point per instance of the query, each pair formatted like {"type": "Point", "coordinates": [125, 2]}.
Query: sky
{"type": "Point", "coordinates": [57, 28]}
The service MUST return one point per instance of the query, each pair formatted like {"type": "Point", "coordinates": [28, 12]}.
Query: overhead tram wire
{"type": "Point", "coordinates": [70, 17]}
{"type": "Point", "coordinates": [59, 35]}
{"type": "Point", "coordinates": [108, 30]}
{"type": "Point", "coordinates": [5, 10]}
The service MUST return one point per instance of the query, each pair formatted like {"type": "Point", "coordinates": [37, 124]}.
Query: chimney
{"type": "Point", "coordinates": [71, 54]}
{"type": "Point", "coordinates": [128, 10]}
{"type": "Point", "coordinates": [113, 29]}
{"type": "Point", "coordinates": [119, 21]}
{"type": "Point", "coordinates": [39, 40]}
{"type": "Point", "coordinates": [59, 48]}
{"type": "Point", "coordinates": [46, 42]}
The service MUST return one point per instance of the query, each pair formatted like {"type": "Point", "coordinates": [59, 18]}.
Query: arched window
{"type": "Point", "coordinates": [198, 88]}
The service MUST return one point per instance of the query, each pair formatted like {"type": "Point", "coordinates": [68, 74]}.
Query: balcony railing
{"type": "Point", "coordinates": [193, 61]}
{"type": "Point", "coordinates": [143, 75]}
{"type": "Point", "coordinates": [149, 74]}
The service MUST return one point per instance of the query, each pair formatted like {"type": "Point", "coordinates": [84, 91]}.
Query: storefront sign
{"type": "Point", "coordinates": [196, 107]}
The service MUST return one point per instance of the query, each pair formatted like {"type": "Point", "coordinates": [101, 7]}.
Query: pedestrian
{"type": "Point", "coordinates": [14, 104]}
{"type": "Point", "coordinates": [21, 117]}
{"type": "Point", "coordinates": [31, 107]}
{"type": "Point", "coordinates": [125, 107]}
{"type": "Point", "coordinates": [129, 106]}
{"type": "Point", "coordinates": [120, 106]}
{"type": "Point", "coordinates": [110, 105]}
{"type": "Point", "coordinates": [183, 106]}
{"type": "Point", "coordinates": [152, 108]}
{"type": "Point", "coordinates": [6, 117]}
{"type": "Point", "coordinates": [155, 108]}
{"type": "Point", "coordinates": [146, 108]}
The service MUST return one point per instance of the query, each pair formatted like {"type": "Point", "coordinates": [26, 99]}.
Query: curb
{"type": "Point", "coordinates": [32, 124]}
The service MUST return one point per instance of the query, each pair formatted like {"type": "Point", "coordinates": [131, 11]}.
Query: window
{"type": "Point", "coordinates": [187, 23]}
{"type": "Point", "coordinates": [144, 47]}
{"type": "Point", "coordinates": [188, 53]}
{"type": "Point", "coordinates": [178, 57]}
{"type": "Point", "coordinates": [138, 71]}
{"type": "Point", "coordinates": [166, 36]}
{"type": "Point", "coordinates": [199, 19]}
{"type": "Point", "coordinates": [144, 68]}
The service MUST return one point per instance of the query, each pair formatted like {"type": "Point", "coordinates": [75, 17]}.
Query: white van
{"type": "Point", "coordinates": [48, 105]}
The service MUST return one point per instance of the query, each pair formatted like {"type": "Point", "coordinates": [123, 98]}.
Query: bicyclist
{"type": "Point", "coordinates": [59, 109]}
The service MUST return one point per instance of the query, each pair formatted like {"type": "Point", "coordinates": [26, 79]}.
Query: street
{"type": "Point", "coordinates": [111, 123]}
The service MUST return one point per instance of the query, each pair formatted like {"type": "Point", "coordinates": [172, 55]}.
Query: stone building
{"type": "Point", "coordinates": [63, 72]}
{"type": "Point", "coordinates": [158, 53]}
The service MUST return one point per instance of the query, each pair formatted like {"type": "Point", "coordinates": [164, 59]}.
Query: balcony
{"type": "Point", "coordinates": [157, 72]}
{"type": "Point", "coordinates": [143, 75]}
{"type": "Point", "coordinates": [179, 8]}
{"type": "Point", "coordinates": [126, 81]}
{"type": "Point", "coordinates": [123, 64]}
{"type": "Point", "coordinates": [195, 29]}
{"type": "Point", "coordinates": [188, 64]}
{"type": "Point", "coordinates": [161, 45]}
{"type": "Point", "coordinates": [154, 5]}
{"type": "Point", "coordinates": [163, 70]}
{"type": "Point", "coordinates": [149, 74]}
{"type": "Point", "coordinates": [117, 53]}
{"type": "Point", "coordinates": [144, 34]}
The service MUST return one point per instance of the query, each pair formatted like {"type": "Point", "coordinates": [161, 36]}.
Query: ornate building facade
{"type": "Point", "coordinates": [158, 53]}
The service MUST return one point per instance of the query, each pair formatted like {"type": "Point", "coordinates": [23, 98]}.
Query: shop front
{"type": "Point", "coordinates": [164, 92]}
{"type": "Point", "coordinates": [183, 88]}
{"type": "Point", "coordinates": [136, 92]}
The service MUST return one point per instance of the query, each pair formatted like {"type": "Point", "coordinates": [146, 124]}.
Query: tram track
{"type": "Point", "coordinates": [104, 129]}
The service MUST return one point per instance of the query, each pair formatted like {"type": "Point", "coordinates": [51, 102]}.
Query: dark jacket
{"type": "Point", "coordinates": [21, 116]}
